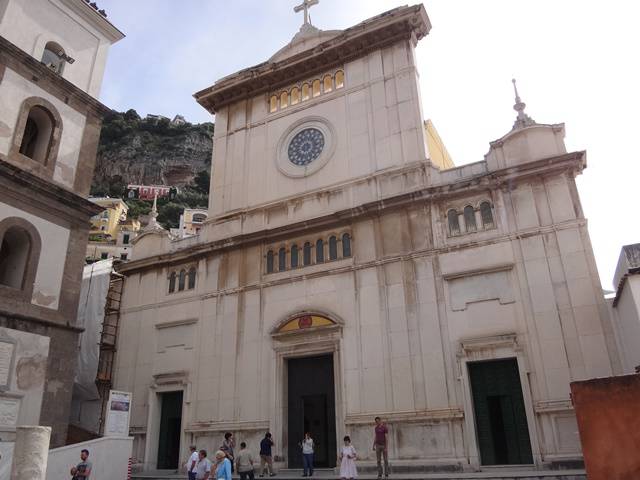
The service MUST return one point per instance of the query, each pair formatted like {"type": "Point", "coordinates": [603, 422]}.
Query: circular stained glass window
{"type": "Point", "coordinates": [305, 147]}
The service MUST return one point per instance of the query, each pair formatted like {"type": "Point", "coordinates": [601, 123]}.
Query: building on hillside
{"type": "Point", "coordinates": [178, 120]}
{"type": "Point", "coordinates": [107, 223]}
{"type": "Point", "coordinates": [625, 306]}
{"type": "Point", "coordinates": [148, 192]}
{"type": "Point", "coordinates": [119, 247]}
{"type": "Point", "coordinates": [342, 274]}
{"type": "Point", "coordinates": [191, 222]}
{"type": "Point", "coordinates": [52, 59]}
{"type": "Point", "coordinates": [156, 118]}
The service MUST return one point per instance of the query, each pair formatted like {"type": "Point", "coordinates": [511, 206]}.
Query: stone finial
{"type": "Point", "coordinates": [522, 120]}
{"type": "Point", "coordinates": [153, 224]}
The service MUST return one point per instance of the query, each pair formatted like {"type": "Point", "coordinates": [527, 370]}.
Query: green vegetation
{"type": "Point", "coordinates": [119, 127]}
{"type": "Point", "coordinates": [130, 141]}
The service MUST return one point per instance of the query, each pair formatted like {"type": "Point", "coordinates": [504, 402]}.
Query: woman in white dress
{"type": "Point", "coordinates": [347, 459]}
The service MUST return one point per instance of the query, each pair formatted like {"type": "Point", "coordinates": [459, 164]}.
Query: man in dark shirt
{"type": "Point", "coordinates": [83, 469]}
{"type": "Point", "coordinates": [380, 446]}
{"type": "Point", "coordinates": [266, 458]}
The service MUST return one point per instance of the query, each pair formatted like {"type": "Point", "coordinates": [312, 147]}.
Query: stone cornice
{"type": "Point", "coordinates": [39, 74]}
{"type": "Point", "coordinates": [402, 23]}
{"type": "Point", "coordinates": [95, 19]}
{"type": "Point", "coordinates": [55, 196]}
{"type": "Point", "coordinates": [504, 178]}
{"type": "Point", "coordinates": [45, 323]}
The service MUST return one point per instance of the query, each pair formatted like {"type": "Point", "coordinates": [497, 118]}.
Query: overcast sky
{"type": "Point", "coordinates": [576, 62]}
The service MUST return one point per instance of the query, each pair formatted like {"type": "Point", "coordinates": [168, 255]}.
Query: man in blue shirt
{"type": "Point", "coordinates": [266, 458]}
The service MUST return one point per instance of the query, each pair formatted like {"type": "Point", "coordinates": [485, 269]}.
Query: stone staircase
{"type": "Point", "coordinates": [498, 473]}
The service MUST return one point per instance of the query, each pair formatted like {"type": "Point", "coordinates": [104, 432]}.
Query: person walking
{"type": "Point", "coordinates": [307, 455]}
{"type": "Point", "coordinates": [380, 446]}
{"type": "Point", "coordinates": [227, 447]}
{"type": "Point", "coordinates": [244, 464]}
{"type": "Point", "coordinates": [266, 458]}
{"type": "Point", "coordinates": [347, 457]}
{"type": "Point", "coordinates": [192, 462]}
{"type": "Point", "coordinates": [82, 470]}
{"type": "Point", "coordinates": [223, 466]}
{"type": "Point", "coordinates": [203, 467]}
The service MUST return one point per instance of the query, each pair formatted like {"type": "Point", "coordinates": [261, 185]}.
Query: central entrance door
{"type": "Point", "coordinates": [170, 426]}
{"type": "Point", "coordinates": [311, 408]}
{"type": "Point", "coordinates": [501, 421]}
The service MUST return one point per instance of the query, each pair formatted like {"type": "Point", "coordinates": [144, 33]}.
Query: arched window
{"type": "Point", "coordinates": [327, 83]}
{"type": "Point", "coordinates": [306, 254]}
{"type": "Point", "coordinates": [54, 57]}
{"type": "Point", "coordinates": [346, 245]}
{"type": "Point", "coordinates": [295, 96]}
{"type": "Point", "coordinates": [270, 261]}
{"type": "Point", "coordinates": [339, 79]}
{"type": "Point", "coordinates": [37, 134]}
{"type": "Point", "coordinates": [316, 88]}
{"type": "Point", "coordinates": [320, 251]}
{"type": "Point", "coordinates": [172, 282]}
{"type": "Point", "coordinates": [282, 260]}
{"type": "Point", "coordinates": [14, 257]}
{"type": "Point", "coordinates": [284, 99]}
{"type": "Point", "coordinates": [470, 219]}
{"type": "Point", "coordinates": [294, 256]}
{"type": "Point", "coordinates": [333, 248]}
{"type": "Point", "coordinates": [198, 217]}
{"type": "Point", "coordinates": [306, 92]}
{"type": "Point", "coordinates": [192, 278]}
{"type": "Point", "coordinates": [273, 103]}
{"type": "Point", "coordinates": [181, 278]}
{"type": "Point", "coordinates": [454, 224]}
{"type": "Point", "coordinates": [486, 214]}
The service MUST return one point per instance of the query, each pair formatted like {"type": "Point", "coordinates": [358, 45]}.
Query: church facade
{"type": "Point", "coordinates": [342, 274]}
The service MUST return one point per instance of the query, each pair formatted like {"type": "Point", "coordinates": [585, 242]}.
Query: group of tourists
{"type": "Point", "coordinates": [227, 460]}
{"type": "Point", "coordinates": [199, 467]}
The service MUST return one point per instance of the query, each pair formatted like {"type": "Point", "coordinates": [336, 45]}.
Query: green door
{"type": "Point", "coordinates": [501, 422]}
{"type": "Point", "coordinates": [170, 428]}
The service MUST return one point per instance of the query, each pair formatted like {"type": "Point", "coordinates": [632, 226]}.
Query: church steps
{"type": "Point", "coordinates": [326, 474]}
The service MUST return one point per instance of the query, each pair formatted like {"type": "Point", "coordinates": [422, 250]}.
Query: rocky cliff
{"type": "Point", "coordinates": [150, 151]}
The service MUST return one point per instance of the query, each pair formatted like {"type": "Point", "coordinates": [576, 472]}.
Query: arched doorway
{"type": "Point", "coordinates": [308, 345]}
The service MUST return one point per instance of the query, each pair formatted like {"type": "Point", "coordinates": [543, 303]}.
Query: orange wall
{"type": "Point", "coordinates": [608, 412]}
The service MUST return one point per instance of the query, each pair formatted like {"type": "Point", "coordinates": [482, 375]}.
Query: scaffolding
{"type": "Point", "coordinates": [108, 341]}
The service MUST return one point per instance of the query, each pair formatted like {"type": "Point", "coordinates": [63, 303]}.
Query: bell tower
{"type": "Point", "coordinates": [52, 58]}
{"type": "Point", "coordinates": [333, 111]}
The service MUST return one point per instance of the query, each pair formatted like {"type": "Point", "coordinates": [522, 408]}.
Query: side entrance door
{"type": "Point", "coordinates": [501, 421]}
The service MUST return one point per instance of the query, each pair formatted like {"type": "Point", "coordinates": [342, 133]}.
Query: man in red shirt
{"type": "Point", "coordinates": [380, 446]}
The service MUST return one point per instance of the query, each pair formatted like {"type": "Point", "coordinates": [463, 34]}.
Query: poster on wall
{"type": "Point", "coordinates": [118, 411]}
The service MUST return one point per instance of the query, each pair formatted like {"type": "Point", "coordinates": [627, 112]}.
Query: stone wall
{"type": "Point", "coordinates": [61, 362]}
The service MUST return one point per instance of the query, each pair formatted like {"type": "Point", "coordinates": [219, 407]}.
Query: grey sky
{"type": "Point", "coordinates": [576, 62]}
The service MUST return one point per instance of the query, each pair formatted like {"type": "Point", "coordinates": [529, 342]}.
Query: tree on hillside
{"type": "Point", "coordinates": [201, 182]}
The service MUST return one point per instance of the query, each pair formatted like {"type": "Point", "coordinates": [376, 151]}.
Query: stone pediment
{"type": "Point", "coordinates": [312, 48]}
{"type": "Point", "coordinates": [307, 38]}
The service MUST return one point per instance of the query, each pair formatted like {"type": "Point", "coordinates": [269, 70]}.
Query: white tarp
{"type": "Point", "coordinates": [93, 297]}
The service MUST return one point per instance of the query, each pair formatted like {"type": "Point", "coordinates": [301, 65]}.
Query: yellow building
{"type": "Point", "coordinates": [106, 223]}
{"type": "Point", "coordinates": [112, 242]}
{"type": "Point", "coordinates": [435, 146]}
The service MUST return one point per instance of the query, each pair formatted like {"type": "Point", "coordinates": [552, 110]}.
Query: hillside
{"type": "Point", "coordinates": [149, 152]}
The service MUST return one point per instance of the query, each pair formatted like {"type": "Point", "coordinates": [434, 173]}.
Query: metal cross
{"type": "Point", "coordinates": [306, 5]}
